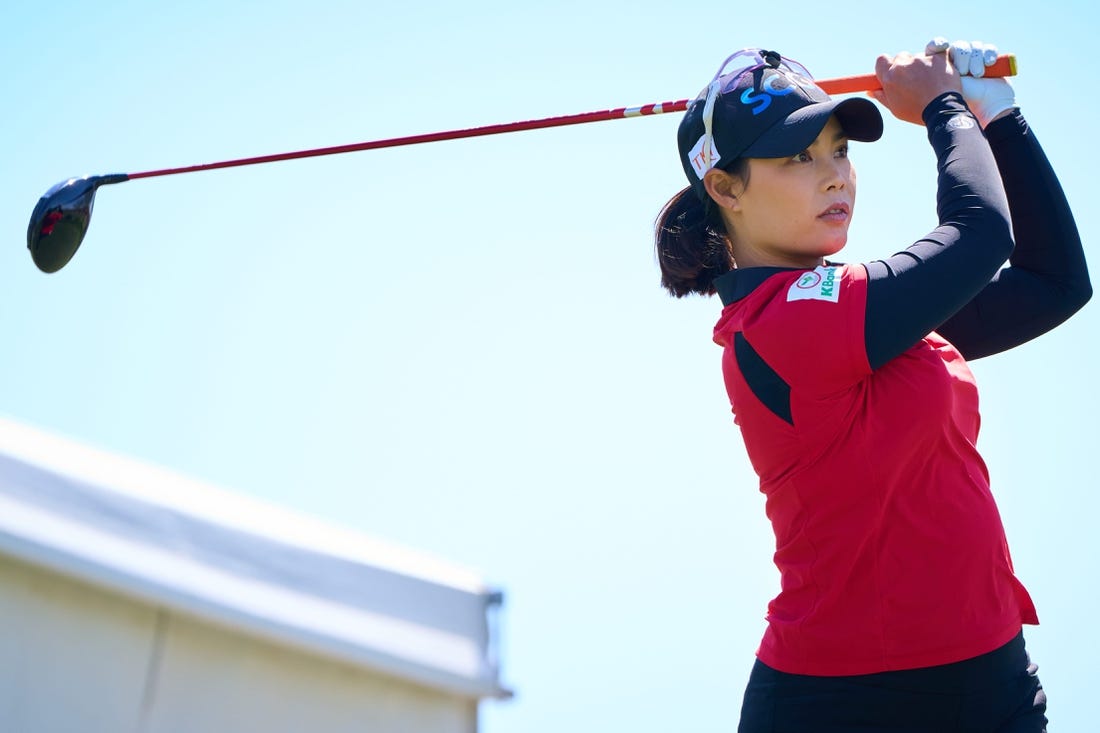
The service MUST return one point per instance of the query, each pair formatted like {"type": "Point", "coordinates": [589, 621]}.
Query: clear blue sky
{"type": "Point", "coordinates": [462, 347]}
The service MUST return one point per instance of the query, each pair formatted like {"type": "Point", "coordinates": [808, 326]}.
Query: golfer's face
{"type": "Point", "coordinates": [796, 210]}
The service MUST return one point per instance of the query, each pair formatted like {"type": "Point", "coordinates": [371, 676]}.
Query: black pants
{"type": "Point", "coordinates": [997, 692]}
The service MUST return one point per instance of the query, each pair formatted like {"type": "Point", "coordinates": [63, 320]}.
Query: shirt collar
{"type": "Point", "coordinates": [736, 284]}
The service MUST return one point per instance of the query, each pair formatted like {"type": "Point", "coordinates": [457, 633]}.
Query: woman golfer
{"type": "Point", "coordinates": [898, 607]}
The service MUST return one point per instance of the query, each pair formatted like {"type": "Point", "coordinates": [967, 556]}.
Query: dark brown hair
{"type": "Point", "coordinates": [691, 243]}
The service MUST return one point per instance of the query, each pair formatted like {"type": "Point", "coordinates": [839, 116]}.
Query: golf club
{"type": "Point", "coordinates": [61, 218]}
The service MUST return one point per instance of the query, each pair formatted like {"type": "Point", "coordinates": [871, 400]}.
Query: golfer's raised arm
{"type": "Point", "coordinates": [913, 292]}
{"type": "Point", "coordinates": [1047, 281]}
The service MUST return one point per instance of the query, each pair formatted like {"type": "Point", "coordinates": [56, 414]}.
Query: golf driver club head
{"type": "Point", "coordinates": [60, 220]}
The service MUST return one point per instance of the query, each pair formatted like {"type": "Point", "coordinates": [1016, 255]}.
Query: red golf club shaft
{"type": "Point", "coordinates": [610, 114]}
{"type": "Point", "coordinates": [1005, 66]}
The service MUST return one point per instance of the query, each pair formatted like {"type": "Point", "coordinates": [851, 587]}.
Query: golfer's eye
{"type": "Point", "coordinates": [842, 151]}
{"type": "Point", "coordinates": [803, 157]}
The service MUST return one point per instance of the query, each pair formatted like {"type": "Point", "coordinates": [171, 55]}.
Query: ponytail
{"type": "Point", "coordinates": [691, 244]}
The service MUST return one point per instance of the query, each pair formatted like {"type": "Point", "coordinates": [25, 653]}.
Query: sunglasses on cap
{"type": "Point", "coordinates": [725, 80]}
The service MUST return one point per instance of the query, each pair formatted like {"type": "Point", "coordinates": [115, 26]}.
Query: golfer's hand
{"type": "Point", "coordinates": [910, 82]}
{"type": "Point", "coordinates": [988, 99]}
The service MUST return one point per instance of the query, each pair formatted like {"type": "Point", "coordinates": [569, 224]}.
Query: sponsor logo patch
{"type": "Point", "coordinates": [704, 156]}
{"type": "Point", "coordinates": [821, 283]}
{"type": "Point", "coordinates": [960, 122]}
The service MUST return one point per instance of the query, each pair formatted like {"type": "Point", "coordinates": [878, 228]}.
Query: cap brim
{"type": "Point", "coordinates": [859, 118]}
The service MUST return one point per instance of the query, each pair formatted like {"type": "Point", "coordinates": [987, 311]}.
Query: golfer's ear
{"type": "Point", "coordinates": [723, 188]}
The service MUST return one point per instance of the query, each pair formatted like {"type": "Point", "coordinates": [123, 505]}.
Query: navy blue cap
{"type": "Point", "coordinates": [771, 111]}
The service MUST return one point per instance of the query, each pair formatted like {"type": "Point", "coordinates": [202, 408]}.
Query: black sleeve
{"type": "Point", "coordinates": [916, 290]}
{"type": "Point", "coordinates": [1048, 280]}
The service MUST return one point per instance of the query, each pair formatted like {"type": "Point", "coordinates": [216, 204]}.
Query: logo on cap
{"type": "Point", "coordinates": [704, 156]}
{"type": "Point", "coordinates": [768, 89]}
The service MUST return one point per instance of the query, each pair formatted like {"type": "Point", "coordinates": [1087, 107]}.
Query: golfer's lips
{"type": "Point", "coordinates": [840, 211]}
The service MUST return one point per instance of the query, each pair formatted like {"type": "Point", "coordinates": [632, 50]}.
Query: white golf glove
{"type": "Point", "coordinates": [987, 98]}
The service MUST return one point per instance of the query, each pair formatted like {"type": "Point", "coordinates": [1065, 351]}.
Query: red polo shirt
{"type": "Point", "coordinates": [890, 547]}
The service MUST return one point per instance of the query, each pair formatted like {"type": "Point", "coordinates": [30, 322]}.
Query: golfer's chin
{"type": "Point", "coordinates": [833, 245]}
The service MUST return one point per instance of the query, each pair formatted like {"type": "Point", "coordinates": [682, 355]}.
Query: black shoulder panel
{"type": "Point", "coordinates": [768, 386]}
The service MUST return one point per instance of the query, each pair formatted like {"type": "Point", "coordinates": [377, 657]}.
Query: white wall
{"type": "Point", "coordinates": [75, 658]}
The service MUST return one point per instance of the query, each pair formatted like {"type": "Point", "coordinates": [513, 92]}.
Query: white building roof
{"type": "Point", "coordinates": [178, 543]}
